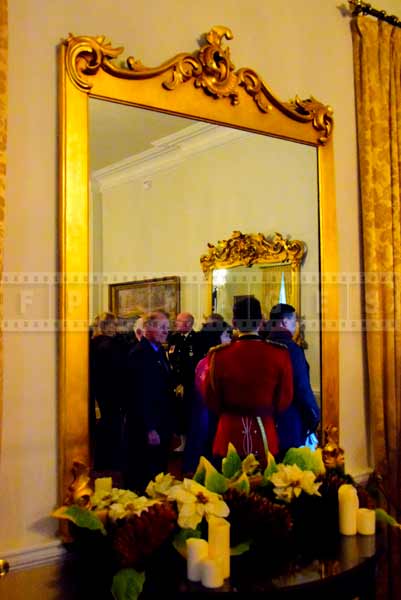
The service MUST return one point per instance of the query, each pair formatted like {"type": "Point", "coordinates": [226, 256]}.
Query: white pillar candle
{"type": "Point", "coordinates": [347, 506]}
{"type": "Point", "coordinates": [219, 542]}
{"type": "Point", "coordinates": [197, 551]}
{"type": "Point", "coordinates": [366, 521]}
{"type": "Point", "coordinates": [103, 484]}
{"type": "Point", "coordinates": [211, 573]}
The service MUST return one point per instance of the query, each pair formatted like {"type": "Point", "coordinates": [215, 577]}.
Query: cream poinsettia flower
{"type": "Point", "coordinates": [119, 510]}
{"type": "Point", "coordinates": [160, 486]}
{"type": "Point", "coordinates": [194, 502]}
{"type": "Point", "coordinates": [289, 481]}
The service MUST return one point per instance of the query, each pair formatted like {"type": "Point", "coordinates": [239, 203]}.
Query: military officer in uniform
{"type": "Point", "coordinates": [184, 352]}
{"type": "Point", "coordinates": [247, 383]}
{"type": "Point", "coordinates": [302, 418]}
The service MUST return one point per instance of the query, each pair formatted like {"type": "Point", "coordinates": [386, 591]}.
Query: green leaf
{"type": "Point", "coordinates": [242, 484]}
{"type": "Point", "coordinates": [127, 584]}
{"type": "Point", "coordinates": [250, 465]}
{"type": "Point", "coordinates": [240, 548]}
{"type": "Point", "coordinates": [206, 474]}
{"type": "Point", "coordinates": [270, 469]}
{"type": "Point", "coordinates": [382, 515]}
{"type": "Point", "coordinates": [215, 482]}
{"type": "Point", "coordinates": [200, 472]}
{"type": "Point", "coordinates": [306, 459]}
{"type": "Point", "coordinates": [180, 539]}
{"type": "Point", "coordinates": [231, 464]}
{"type": "Point", "coordinates": [82, 517]}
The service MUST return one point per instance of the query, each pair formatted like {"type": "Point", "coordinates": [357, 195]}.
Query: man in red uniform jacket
{"type": "Point", "coordinates": [247, 383]}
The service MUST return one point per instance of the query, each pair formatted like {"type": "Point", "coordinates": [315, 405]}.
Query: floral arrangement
{"type": "Point", "coordinates": [274, 514]}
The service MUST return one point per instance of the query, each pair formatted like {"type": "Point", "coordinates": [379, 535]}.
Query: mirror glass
{"type": "Point", "coordinates": [270, 284]}
{"type": "Point", "coordinates": [163, 187]}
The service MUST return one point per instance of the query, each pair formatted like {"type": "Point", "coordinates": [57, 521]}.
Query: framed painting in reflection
{"type": "Point", "coordinates": [136, 298]}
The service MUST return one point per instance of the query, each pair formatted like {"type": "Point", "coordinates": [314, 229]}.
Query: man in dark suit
{"type": "Point", "coordinates": [184, 351]}
{"type": "Point", "coordinates": [150, 419]}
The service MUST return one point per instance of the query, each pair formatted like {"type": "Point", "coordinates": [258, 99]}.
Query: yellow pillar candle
{"type": "Point", "coordinates": [219, 542]}
{"type": "Point", "coordinates": [211, 573]}
{"type": "Point", "coordinates": [366, 521]}
{"type": "Point", "coordinates": [103, 484]}
{"type": "Point", "coordinates": [197, 551]}
{"type": "Point", "coordinates": [347, 506]}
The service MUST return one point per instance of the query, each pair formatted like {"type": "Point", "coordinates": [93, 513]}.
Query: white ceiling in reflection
{"type": "Point", "coordinates": [116, 132]}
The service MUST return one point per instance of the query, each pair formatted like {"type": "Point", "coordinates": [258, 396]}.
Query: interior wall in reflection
{"type": "Point", "coordinates": [159, 223]}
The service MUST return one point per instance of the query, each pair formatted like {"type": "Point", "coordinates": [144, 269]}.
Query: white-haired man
{"type": "Point", "coordinates": [150, 420]}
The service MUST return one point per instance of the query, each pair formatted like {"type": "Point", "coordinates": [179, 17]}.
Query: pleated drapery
{"type": "Point", "coordinates": [377, 69]}
{"type": "Point", "coordinates": [3, 145]}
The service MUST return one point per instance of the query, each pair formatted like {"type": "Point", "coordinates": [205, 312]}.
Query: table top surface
{"type": "Point", "coordinates": [349, 557]}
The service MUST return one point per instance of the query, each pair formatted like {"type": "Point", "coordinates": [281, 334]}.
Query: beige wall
{"type": "Point", "coordinates": [252, 184]}
{"type": "Point", "coordinates": [300, 48]}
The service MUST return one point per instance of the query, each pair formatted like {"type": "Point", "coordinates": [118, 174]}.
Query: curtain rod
{"type": "Point", "coordinates": [358, 7]}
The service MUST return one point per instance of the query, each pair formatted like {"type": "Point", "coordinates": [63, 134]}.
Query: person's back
{"type": "Point", "coordinates": [203, 422]}
{"type": "Point", "coordinates": [303, 416]}
{"type": "Point", "coordinates": [106, 360]}
{"type": "Point", "coordinates": [247, 382]}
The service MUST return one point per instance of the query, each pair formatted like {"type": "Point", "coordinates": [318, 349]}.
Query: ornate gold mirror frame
{"type": "Point", "coordinates": [248, 249]}
{"type": "Point", "coordinates": [203, 86]}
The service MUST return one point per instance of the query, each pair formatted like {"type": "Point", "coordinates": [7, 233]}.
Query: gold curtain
{"type": "Point", "coordinates": [377, 69]}
{"type": "Point", "coordinates": [271, 285]}
{"type": "Point", "coordinates": [3, 143]}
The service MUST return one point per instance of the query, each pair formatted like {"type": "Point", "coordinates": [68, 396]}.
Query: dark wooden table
{"type": "Point", "coordinates": [345, 573]}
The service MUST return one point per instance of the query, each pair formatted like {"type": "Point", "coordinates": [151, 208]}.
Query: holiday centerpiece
{"type": "Point", "coordinates": [268, 517]}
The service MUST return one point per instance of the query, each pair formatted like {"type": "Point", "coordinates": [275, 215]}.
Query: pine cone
{"type": "Point", "coordinates": [253, 517]}
{"type": "Point", "coordinates": [135, 538]}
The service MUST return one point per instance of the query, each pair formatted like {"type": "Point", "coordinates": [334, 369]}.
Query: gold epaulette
{"type": "Point", "coordinates": [278, 344]}
{"type": "Point", "coordinates": [218, 348]}
{"type": "Point", "coordinates": [212, 355]}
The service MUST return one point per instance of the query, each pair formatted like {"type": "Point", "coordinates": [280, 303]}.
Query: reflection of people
{"type": "Point", "coordinates": [184, 353]}
{"type": "Point", "coordinates": [138, 328]}
{"type": "Point", "coordinates": [106, 358]}
{"type": "Point", "coordinates": [125, 332]}
{"type": "Point", "coordinates": [203, 422]}
{"type": "Point", "coordinates": [149, 421]}
{"type": "Point", "coordinates": [303, 416]}
{"type": "Point", "coordinates": [246, 383]}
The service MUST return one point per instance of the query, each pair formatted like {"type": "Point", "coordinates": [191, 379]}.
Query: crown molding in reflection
{"type": "Point", "coordinates": [167, 153]}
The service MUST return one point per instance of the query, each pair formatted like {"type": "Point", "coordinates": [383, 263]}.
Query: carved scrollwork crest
{"type": "Point", "coordinates": [332, 453]}
{"type": "Point", "coordinates": [252, 248]}
{"type": "Point", "coordinates": [85, 56]}
{"type": "Point", "coordinates": [210, 68]}
{"type": "Point", "coordinates": [313, 110]}
{"type": "Point", "coordinates": [80, 492]}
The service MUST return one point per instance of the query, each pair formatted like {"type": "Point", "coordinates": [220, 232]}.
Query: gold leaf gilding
{"type": "Point", "coordinates": [247, 249]}
{"type": "Point", "coordinates": [210, 68]}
